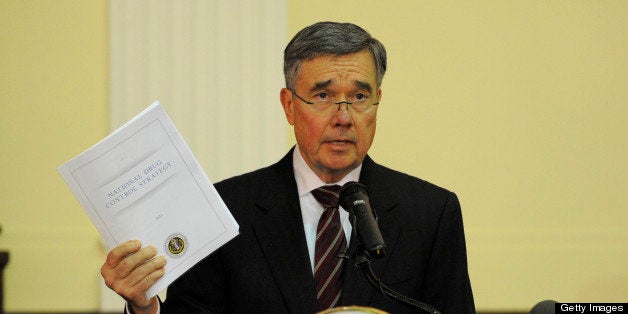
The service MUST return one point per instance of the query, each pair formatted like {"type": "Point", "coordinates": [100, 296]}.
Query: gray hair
{"type": "Point", "coordinates": [325, 38]}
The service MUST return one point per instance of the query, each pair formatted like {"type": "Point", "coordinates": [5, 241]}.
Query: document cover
{"type": "Point", "coordinates": [143, 182]}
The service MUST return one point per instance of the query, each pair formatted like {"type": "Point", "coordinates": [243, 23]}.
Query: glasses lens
{"type": "Point", "coordinates": [321, 105]}
{"type": "Point", "coordinates": [361, 106]}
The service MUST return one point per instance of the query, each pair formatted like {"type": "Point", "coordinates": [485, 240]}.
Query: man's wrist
{"type": "Point", "coordinates": [152, 308]}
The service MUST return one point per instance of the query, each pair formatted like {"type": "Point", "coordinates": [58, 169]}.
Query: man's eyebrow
{"type": "Point", "coordinates": [359, 84]}
{"type": "Point", "coordinates": [363, 85]}
{"type": "Point", "coordinates": [320, 85]}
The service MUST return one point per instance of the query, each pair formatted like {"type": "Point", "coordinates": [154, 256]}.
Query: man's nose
{"type": "Point", "coordinates": [342, 117]}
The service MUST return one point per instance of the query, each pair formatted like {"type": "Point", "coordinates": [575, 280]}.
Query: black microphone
{"type": "Point", "coordinates": [354, 198]}
{"type": "Point", "coordinates": [544, 307]}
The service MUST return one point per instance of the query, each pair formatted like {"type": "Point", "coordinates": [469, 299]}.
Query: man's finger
{"type": "Point", "coordinates": [133, 288]}
{"type": "Point", "coordinates": [117, 254]}
{"type": "Point", "coordinates": [149, 280]}
{"type": "Point", "coordinates": [131, 262]}
{"type": "Point", "coordinates": [146, 273]}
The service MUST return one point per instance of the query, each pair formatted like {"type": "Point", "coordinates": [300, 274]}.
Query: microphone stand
{"type": "Point", "coordinates": [364, 260]}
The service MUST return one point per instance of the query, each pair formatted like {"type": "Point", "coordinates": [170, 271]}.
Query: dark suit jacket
{"type": "Point", "coordinates": [266, 268]}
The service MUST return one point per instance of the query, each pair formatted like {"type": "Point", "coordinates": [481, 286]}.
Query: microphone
{"type": "Point", "coordinates": [544, 307]}
{"type": "Point", "coordinates": [354, 198]}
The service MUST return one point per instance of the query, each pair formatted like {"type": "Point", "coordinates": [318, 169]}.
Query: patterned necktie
{"type": "Point", "coordinates": [330, 242]}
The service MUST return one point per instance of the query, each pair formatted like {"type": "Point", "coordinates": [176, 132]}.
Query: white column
{"type": "Point", "coordinates": [216, 66]}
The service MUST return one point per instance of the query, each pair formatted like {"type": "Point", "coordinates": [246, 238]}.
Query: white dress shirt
{"type": "Point", "coordinates": [311, 209]}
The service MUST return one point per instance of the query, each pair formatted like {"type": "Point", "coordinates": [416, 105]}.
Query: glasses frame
{"type": "Point", "coordinates": [335, 103]}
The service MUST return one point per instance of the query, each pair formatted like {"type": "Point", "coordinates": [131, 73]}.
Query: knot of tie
{"type": "Point", "coordinates": [327, 195]}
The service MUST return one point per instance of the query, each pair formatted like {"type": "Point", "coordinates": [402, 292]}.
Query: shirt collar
{"type": "Point", "coordinates": [307, 180]}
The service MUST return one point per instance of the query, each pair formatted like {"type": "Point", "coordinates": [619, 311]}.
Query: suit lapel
{"type": "Point", "coordinates": [282, 239]}
{"type": "Point", "coordinates": [356, 289]}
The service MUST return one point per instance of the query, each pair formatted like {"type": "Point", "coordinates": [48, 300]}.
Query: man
{"type": "Point", "coordinates": [333, 77]}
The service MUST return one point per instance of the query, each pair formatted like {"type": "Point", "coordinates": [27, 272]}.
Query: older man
{"type": "Point", "coordinates": [295, 252]}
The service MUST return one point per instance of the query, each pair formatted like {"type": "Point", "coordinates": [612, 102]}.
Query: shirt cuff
{"type": "Point", "coordinates": [127, 308]}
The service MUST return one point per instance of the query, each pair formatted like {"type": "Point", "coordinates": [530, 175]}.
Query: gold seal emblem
{"type": "Point", "coordinates": [176, 245]}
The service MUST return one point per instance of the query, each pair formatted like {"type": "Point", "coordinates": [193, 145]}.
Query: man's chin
{"type": "Point", "coordinates": [340, 165]}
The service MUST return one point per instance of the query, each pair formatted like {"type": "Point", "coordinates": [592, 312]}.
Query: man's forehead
{"type": "Point", "coordinates": [327, 71]}
{"type": "Point", "coordinates": [361, 59]}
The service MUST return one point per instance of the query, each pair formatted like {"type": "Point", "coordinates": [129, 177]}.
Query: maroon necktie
{"type": "Point", "coordinates": [330, 242]}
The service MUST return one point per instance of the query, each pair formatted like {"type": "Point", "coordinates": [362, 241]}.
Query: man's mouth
{"type": "Point", "coordinates": [340, 142]}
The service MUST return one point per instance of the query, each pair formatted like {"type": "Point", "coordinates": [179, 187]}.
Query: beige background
{"type": "Point", "coordinates": [519, 107]}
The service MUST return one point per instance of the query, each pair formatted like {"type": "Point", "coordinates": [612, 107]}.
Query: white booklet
{"type": "Point", "coordinates": [143, 182]}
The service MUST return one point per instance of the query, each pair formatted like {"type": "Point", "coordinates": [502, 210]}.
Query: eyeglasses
{"type": "Point", "coordinates": [324, 102]}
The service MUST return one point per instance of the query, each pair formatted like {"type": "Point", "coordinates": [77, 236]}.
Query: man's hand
{"type": "Point", "coordinates": [130, 270]}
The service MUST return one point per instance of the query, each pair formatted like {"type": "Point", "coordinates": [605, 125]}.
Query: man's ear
{"type": "Point", "coordinates": [288, 105]}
